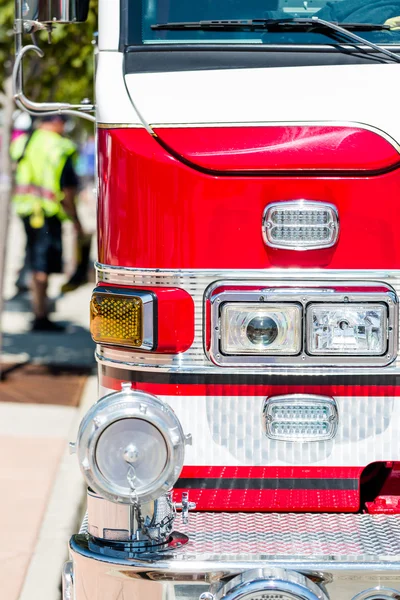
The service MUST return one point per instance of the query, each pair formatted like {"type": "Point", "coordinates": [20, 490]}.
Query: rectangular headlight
{"type": "Point", "coordinates": [256, 328]}
{"type": "Point", "coordinates": [122, 317]}
{"type": "Point", "coordinates": [347, 329]}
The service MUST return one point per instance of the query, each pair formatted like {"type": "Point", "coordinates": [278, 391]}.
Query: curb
{"type": "Point", "coordinates": [61, 519]}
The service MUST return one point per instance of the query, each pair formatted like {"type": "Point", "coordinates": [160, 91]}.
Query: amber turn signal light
{"type": "Point", "coordinates": [120, 317]}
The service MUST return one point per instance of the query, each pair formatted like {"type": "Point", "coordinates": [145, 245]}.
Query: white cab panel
{"type": "Point", "coordinates": [113, 104]}
{"type": "Point", "coordinates": [367, 94]}
{"type": "Point", "coordinates": [108, 24]}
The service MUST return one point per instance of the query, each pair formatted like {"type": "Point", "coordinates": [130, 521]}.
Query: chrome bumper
{"type": "Point", "coordinates": [347, 554]}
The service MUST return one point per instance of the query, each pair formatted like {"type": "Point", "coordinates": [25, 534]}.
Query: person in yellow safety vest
{"type": "Point", "coordinates": [44, 196]}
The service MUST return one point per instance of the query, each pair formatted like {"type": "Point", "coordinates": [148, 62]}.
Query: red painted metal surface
{"type": "Point", "coordinates": [388, 505]}
{"type": "Point", "coordinates": [175, 318]}
{"type": "Point", "coordinates": [295, 489]}
{"type": "Point", "coordinates": [155, 212]}
{"type": "Point", "coordinates": [281, 148]}
{"type": "Point", "coordinates": [225, 472]}
{"type": "Point", "coordinates": [276, 498]}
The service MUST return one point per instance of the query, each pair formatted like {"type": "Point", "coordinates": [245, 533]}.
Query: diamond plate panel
{"type": "Point", "coordinates": [230, 536]}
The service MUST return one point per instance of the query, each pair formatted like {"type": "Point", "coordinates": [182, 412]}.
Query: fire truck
{"type": "Point", "coordinates": [244, 444]}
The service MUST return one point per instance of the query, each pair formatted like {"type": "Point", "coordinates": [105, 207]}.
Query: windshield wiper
{"type": "Point", "coordinates": [302, 23]}
{"type": "Point", "coordinates": [268, 24]}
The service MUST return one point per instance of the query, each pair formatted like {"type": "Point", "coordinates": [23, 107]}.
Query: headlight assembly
{"type": "Point", "coordinates": [130, 447]}
{"type": "Point", "coordinates": [300, 323]}
{"type": "Point", "coordinates": [347, 329]}
{"type": "Point", "coordinates": [261, 329]}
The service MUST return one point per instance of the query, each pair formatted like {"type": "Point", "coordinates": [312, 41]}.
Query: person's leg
{"type": "Point", "coordinates": [39, 294]}
{"type": "Point", "coordinates": [45, 253]}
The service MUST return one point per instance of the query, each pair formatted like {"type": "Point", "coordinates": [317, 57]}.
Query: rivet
{"type": "Point", "coordinates": [143, 408]}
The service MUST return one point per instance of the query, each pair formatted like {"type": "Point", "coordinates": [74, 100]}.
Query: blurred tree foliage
{"type": "Point", "coordinates": [66, 71]}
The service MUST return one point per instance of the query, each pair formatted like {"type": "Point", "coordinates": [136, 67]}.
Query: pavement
{"type": "Point", "coordinates": [41, 488]}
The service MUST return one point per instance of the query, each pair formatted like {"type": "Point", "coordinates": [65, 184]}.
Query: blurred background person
{"type": "Point", "coordinates": [45, 190]}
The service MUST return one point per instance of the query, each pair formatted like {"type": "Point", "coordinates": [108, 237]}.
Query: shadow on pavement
{"type": "Point", "coordinates": [72, 348]}
{"type": "Point", "coordinates": [21, 303]}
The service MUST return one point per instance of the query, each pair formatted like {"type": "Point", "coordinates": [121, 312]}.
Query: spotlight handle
{"type": "Point", "coordinates": [185, 506]}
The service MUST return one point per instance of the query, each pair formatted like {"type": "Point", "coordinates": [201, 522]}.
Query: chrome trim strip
{"type": "Point", "coordinates": [195, 282]}
{"type": "Point", "coordinates": [304, 294]}
{"type": "Point", "coordinates": [120, 126]}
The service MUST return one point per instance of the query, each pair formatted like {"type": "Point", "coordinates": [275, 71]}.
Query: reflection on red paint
{"type": "Point", "coordinates": [156, 212]}
{"type": "Point", "coordinates": [281, 148]}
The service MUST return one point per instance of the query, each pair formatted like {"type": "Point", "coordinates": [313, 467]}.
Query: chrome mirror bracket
{"type": "Point", "coordinates": [38, 109]}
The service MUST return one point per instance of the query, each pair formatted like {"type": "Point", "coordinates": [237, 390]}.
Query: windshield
{"type": "Point", "coordinates": [142, 14]}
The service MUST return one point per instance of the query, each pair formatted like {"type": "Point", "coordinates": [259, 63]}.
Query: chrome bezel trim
{"type": "Point", "coordinates": [294, 399]}
{"type": "Point", "coordinates": [130, 404]}
{"type": "Point", "coordinates": [300, 204]}
{"type": "Point", "coordinates": [304, 293]}
{"type": "Point", "coordinates": [148, 319]}
{"type": "Point", "coordinates": [274, 579]}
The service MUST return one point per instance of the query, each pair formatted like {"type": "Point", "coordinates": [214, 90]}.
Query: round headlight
{"type": "Point", "coordinates": [262, 330]}
{"type": "Point", "coordinates": [270, 584]}
{"type": "Point", "coordinates": [130, 447]}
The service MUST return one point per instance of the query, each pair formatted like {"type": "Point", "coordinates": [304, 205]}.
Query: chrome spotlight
{"type": "Point", "coordinates": [270, 584]}
{"type": "Point", "coordinates": [130, 447]}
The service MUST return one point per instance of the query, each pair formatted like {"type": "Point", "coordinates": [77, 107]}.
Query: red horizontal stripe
{"type": "Point", "coordinates": [271, 472]}
{"type": "Point", "coordinates": [273, 500]}
{"type": "Point", "coordinates": [223, 389]}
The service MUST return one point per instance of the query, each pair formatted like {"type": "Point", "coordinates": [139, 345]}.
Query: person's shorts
{"type": "Point", "coordinates": [44, 246]}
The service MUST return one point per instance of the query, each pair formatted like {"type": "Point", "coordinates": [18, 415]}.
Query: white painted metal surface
{"type": "Point", "coordinates": [352, 93]}
{"type": "Point", "coordinates": [109, 24]}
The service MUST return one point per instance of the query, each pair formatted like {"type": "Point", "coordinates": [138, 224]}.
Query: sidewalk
{"type": "Point", "coordinates": [41, 488]}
